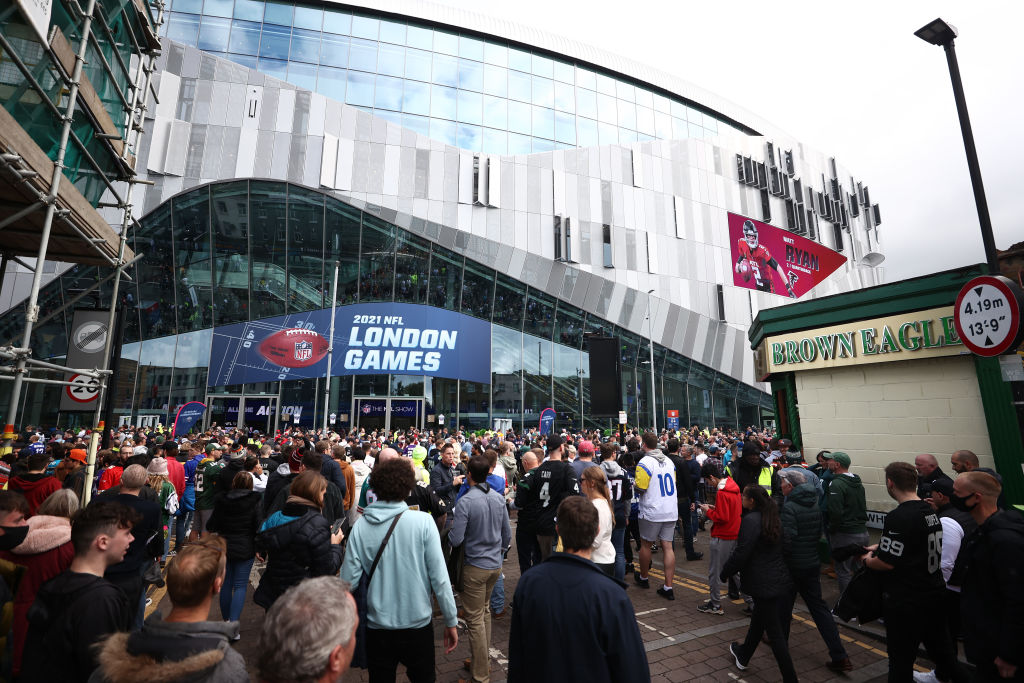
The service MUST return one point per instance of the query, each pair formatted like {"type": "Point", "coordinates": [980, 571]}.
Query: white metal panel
{"type": "Point", "coordinates": [329, 161]}
{"type": "Point", "coordinates": [392, 166]}
{"type": "Point", "coordinates": [159, 129]}
{"type": "Point", "coordinates": [245, 164]}
{"type": "Point", "coordinates": [494, 181]}
{"type": "Point", "coordinates": [253, 107]}
{"type": "Point", "coordinates": [285, 111]}
{"type": "Point", "coordinates": [435, 178]}
{"type": "Point", "coordinates": [170, 85]}
{"type": "Point", "coordinates": [177, 148]}
{"type": "Point", "coordinates": [547, 182]}
{"type": "Point", "coordinates": [317, 114]}
{"type": "Point", "coordinates": [638, 166]}
{"type": "Point", "coordinates": [520, 187]}
{"type": "Point", "coordinates": [346, 157]}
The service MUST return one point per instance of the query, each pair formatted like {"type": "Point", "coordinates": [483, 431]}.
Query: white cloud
{"type": "Point", "coordinates": [854, 82]}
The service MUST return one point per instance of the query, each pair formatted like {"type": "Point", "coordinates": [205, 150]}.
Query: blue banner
{"type": "Point", "coordinates": [547, 420]}
{"type": "Point", "coordinates": [369, 339]}
{"type": "Point", "coordinates": [187, 416]}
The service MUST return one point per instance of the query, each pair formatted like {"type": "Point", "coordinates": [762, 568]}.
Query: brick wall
{"type": "Point", "coordinates": [893, 411]}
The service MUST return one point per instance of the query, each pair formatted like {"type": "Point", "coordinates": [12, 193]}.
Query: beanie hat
{"type": "Point", "coordinates": [419, 454]}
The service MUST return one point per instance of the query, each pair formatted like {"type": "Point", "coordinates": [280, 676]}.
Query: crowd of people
{"type": "Point", "coordinates": [362, 540]}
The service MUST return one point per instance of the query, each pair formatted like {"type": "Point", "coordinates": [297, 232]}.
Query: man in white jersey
{"type": "Point", "coordinates": [656, 482]}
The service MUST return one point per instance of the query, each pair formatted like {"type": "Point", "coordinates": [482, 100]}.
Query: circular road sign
{"type": "Point", "coordinates": [988, 315]}
{"type": "Point", "coordinates": [82, 389]}
{"type": "Point", "coordinates": [90, 337]}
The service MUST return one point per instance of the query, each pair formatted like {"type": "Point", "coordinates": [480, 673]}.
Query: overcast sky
{"type": "Point", "coordinates": [888, 113]}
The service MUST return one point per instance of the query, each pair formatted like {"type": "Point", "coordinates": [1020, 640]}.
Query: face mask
{"type": "Point", "coordinates": [960, 502]}
{"type": "Point", "coordinates": [13, 536]}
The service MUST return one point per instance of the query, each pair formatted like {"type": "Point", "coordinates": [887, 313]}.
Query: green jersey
{"type": "Point", "coordinates": [206, 483]}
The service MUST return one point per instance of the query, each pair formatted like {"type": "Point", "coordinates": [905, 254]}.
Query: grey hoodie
{"type": "Point", "coordinates": [196, 652]}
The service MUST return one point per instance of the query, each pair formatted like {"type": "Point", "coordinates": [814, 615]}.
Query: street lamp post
{"type": "Point", "coordinates": [650, 338]}
{"type": "Point", "coordinates": [938, 32]}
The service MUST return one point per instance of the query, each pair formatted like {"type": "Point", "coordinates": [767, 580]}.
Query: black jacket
{"type": "Point", "coordinates": [763, 573]}
{"type": "Point", "coordinates": [72, 611]}
{"type": "Point", "coordinates": [801, 528]}
{"type": "Point", "coordinates": [992, 599]}
{"type": "Point", "coordinates": [148, 527]}
{"type": "Point", "coordinates": [236, 517]}
{"type": "Point", "coordinates": [567, 593]}
{"type": "Point", "coordinates": [924, 484]}
{"type": "Point", "coordinates": [442, 481]}
{"type": "Point", "coordinates": [278, 479]}
{"type": "Point", "coordinates": [334, 501]}
{"type": "Point", "coordinates": [227, 475]}
{"type": "Point", "coordinates": [297, 542]}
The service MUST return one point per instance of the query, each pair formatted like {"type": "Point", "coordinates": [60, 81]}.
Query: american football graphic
{"type": "Point", "coordinates": [294, 348]}
{"type": "Point", "coordinates": [745, 270]}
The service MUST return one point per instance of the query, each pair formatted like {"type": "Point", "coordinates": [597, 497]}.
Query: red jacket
{"type": "Point", "coordinates": [726, 513]}
{"type": "Point", "coordinates": [45, 553]}
{"type": "Point", "coordinates": [111, 477]}
{"type": "Point", "coordinates": [176, 475]}
{"type": "Point", "coordinates": [35, 487]}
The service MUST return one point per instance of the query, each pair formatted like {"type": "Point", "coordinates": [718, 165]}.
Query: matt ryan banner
{"type": "Point", "coordinates": [369, 339]}
{"type": "Point", "coordinates": [773, 260]}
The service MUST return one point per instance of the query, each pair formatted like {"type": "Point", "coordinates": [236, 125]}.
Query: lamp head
{"type": "Point", "coordinates": [937, 32]}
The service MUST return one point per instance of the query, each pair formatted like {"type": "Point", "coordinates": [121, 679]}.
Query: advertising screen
{"type": "Point", "coordinates": [369, 339]}
{"type": "Point", "coordinates": [774, 260]}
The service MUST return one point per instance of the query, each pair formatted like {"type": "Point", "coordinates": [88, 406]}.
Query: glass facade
{"type": "Point", "coordinates": [270, 242]}
{"type": "Point", "coordinates": [479, 94]}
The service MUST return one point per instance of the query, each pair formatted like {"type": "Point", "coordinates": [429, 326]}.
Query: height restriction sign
{"type": "Point", "coordinates": [988, 315]}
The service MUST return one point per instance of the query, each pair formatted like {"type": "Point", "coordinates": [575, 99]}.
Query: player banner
{"type": "Point", "coordinates": [369, 339]}
{"type": "Point", "coordinates": [770, 259]}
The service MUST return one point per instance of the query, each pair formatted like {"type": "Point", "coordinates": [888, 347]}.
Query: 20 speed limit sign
{"type": "Point", "coordinates": [988, 315]}
{"type": "Point", "coordinates": [83, 389]}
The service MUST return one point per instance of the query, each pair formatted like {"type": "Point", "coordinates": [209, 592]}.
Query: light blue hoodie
{"type": "Point", "coordinates": [411, 567]}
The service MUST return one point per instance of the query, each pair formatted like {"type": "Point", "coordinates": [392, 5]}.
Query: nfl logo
{"type": "Point", "coordinates": [367, 409]}
{"type": "Point", "coordinates": [303, 350]}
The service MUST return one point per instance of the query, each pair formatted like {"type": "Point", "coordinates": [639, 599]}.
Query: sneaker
{"type": "Point", "coordinates": [643, 583]}
{"type": "Point", "coordinates": [748, 611]}
{"type": "Point", "coordinates": [734, 651]}
{"type": "Point", "coordinates": [925, 677]}
{"type": "Point", "coordinates": [149, 601]}
{"type": "Point", "coordinates": [667, 593]}
{"type": "Point", "coordinates": [694, 557]}
{"type": "Point", "coordinates": [707, 607]}
{"type": "Point", "coordinates": [734, 596]}
{"type": "Point", "coordinates": [654, 547]}
{"type": "Point", "coordinates": [630, 568]}
{"type": "Point", "coordinates": [839, 665]}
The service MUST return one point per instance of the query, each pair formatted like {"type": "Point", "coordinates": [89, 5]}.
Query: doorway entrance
{"type": "Point", "coordinates": [387, 414]}
{"type": "Point", "coordinates": [256, 412]}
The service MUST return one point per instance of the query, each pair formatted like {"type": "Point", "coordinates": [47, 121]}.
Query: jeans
{"type": "Point", "coordinates": [905, 629]}
{"type": "Point", "coordinates": [181, 523]}
{"type": "Point", "coordinates": [527, 548]}
{"type": "Point", "coordinates": [232, 593]}
{"type": "Point", "coordinates": [846, 568]}
{"type": "Point", "coordinates": [687, 524]}
{"type": "Point", "coordinates": [807, 582]}
{"type": "Point", "coordinates": [719, 550]}
{"type": "Point", "coordinates": [767, 616]}
{"type": "Point", "coordinates": [619, 542]}
{"type": "Point", "coordinates": [498, 595]}
{"type": "Point", "coordinates": [478, 585]}
{"type": "Point", "coordinates": [413, 647]}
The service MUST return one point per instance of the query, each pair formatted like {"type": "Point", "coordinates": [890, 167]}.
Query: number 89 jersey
{"type": "Point", "coordinates": [656, 482]}
{"type": "Point", "coordinates": [911, 542]}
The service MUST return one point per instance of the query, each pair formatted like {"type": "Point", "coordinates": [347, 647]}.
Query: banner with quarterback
{"type": "Point", "coordinates": [774, 260]}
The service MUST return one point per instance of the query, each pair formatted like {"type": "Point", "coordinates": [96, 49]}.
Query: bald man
{"type": "Point", "coordinates": [993, 581]}
{"type": "Point", "coordinates": [422, 497]}
{"type": "Point", "coordinates": [928, 471]}
{"type": "Point", "coordinates": [964, 461]}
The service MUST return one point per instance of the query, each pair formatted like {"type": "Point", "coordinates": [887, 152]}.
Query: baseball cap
{"type": "Point", "coordinates": [793, 457]}
{"type": "Point", "coordinates": [943, 485]}
{"type": "Point", "coordinates": [785, 442]}
{"type": "Point", "coordinates": [78, 454]}
{"type": "Point", "coordinates": [554, 441]}
{"type": "Point", "coordinates": [840, 457]}
{"type": "Point", "coordinates": [585, 447]}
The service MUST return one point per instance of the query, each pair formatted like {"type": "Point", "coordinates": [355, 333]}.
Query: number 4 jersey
{"type": "Point", "coordinates": [911, 542]}
{"type": "Point", "coordinates": [656, 481]}
{"type": "Point", "coordinates": [540, 492]}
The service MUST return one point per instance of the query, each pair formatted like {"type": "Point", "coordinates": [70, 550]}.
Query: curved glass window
{"type": "Point", "coordinates": [279, 32]}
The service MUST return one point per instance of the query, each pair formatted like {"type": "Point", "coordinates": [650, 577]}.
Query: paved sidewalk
{"type": "Point", "coordinates": [682, 644]}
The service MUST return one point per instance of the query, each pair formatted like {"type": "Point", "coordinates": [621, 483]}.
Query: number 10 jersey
{"type": "Point", "coordinates": [656, 479]}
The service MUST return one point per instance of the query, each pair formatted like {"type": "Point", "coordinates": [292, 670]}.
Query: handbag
{"type": "Point", "coordinates": [862, 598]}
{"type": "Point", "coordinates": [361, 595]}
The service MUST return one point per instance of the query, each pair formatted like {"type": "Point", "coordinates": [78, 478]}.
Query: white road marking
{"type": "Point", "coordinates": [651, 611]}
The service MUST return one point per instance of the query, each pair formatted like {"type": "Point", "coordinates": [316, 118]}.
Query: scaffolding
{"type": "Point", "coordinates": [18, 360]}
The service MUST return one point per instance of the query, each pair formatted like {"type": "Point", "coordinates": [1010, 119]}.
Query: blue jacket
{"type": "Point", "coordinates": [567, 594]}
{"type": "Point", "coordinates": [411, 568]}
{"type": "Point", "coordinates": [494, 481]}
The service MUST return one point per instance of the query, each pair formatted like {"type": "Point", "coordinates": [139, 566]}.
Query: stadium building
{"type": "Point", "coordinates": [439, 171]}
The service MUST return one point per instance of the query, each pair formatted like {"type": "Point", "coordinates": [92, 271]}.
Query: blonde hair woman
{"type": "Point", "coordinates": [594, 485]}
{"type": "Point", "coordinates": [166, 495]}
